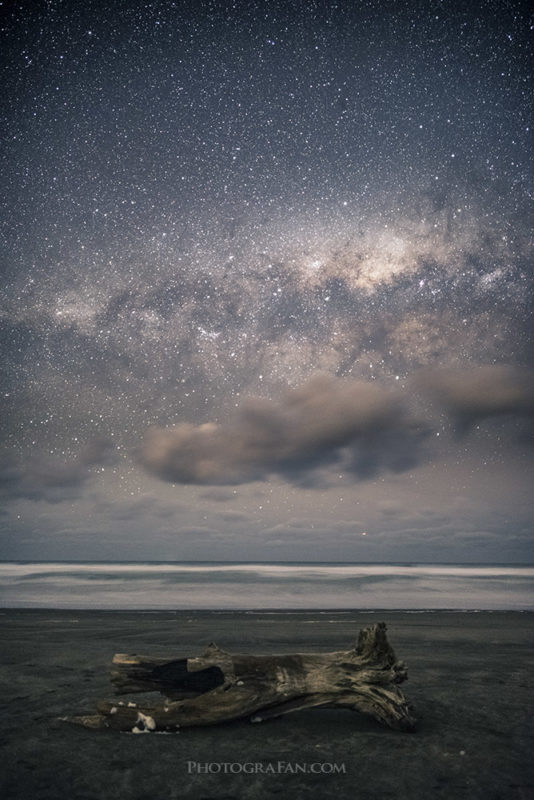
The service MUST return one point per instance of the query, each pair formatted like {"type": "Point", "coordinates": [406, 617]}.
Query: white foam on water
{"type": "Point", "coordinates": [278, 587]}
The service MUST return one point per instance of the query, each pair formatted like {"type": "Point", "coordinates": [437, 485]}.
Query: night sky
{"type": "Point", "coordinates": [267, 281]}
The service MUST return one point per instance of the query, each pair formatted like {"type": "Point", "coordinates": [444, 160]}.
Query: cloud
{"type": "Point", "coordinates": [359, 426]}
{"type": "Point", "coordinates": [218, 495]}
{"type": "Point", "coordinates": [139, 509]}
{"type": "Point", "coordinates": [470, 395]}
{"type": "Point", "coordinates": [198, 532]}
{"type": "Point", "coordinates": [51, 479]}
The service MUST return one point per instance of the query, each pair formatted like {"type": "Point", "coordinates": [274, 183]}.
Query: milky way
{"type": "Point", "coordinates": [267, 280]}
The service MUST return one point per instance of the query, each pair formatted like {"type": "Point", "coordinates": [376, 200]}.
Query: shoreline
{"type": "Point", "coordinates": [266, 588]}
{"type": "Point", "coordinates": [259, 611]}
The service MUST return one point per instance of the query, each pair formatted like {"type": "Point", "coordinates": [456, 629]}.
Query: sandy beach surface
{"type": "Point", "coordinates": [471, 677]}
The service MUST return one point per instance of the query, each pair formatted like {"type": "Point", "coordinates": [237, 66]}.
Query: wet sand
{"type": "Point", "coordinates": [471, 678]}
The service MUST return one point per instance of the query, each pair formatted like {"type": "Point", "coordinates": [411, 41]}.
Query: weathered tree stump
{"type": "Point", "coordinates": [219, 687]}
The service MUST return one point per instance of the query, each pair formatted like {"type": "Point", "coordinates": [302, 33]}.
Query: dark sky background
{"type": "Point", "coordinates": [267, 281]}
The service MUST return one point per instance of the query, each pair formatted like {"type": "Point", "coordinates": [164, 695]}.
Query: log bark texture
{"type": "Point", "coordinates": [218, 687]}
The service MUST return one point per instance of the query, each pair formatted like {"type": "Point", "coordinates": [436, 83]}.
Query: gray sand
{"type": "Point", "coordinates": [470, 680]}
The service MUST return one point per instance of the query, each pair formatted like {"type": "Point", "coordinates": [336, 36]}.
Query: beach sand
{"type": "Point", "coordinates": [471, 677]}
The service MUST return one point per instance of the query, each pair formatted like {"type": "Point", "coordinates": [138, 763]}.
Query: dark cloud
{"type": "Point", "coordinates": [217, 495]}
{"type": "Point", "coordinates": [356, 424]}
{"type": "Point", "coordinates": [198, 532]}
{"type": "Point", "coordinates": [361, 428]}
{"type": "Point", "coordinates": [52, 479]}
{"type": "Point", "coordinates": [139, 508]}
{"type": "Point", "coordinates": [470, 395]}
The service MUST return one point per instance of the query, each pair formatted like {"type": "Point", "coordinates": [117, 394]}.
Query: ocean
{"type": "Point", "coordinates": [266, 586]}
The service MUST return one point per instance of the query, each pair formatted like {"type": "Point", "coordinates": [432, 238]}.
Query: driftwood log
{"type": "Point", "coordinates": [219, 687]}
